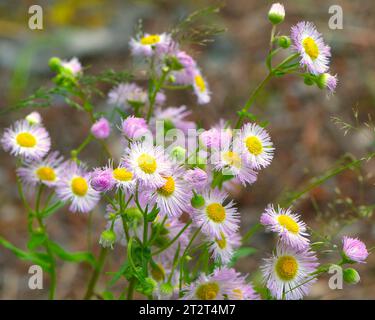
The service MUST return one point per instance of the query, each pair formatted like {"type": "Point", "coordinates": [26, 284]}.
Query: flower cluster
{"type": "Point", "coordinates": [162, 195]}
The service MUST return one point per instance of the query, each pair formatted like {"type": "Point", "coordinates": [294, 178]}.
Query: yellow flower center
{"type": "Point", "coordinates": [46, 174]}
{"type": "Point", "coordinates": [207, 291]}
{"type": "Point", "coordinates": [147, 163]}
{"type": "Point", "coordinates": [222, 243]}
{"type": "Point", "coordinates": [311, 48]}
{"type": "Point", "coordinates": [79, 186]}
{"type": "Point", "coordinates": [150, 40]}
{"type": "Point", "coordinates": [254, 145]}
{"type": "Point", "coordinates": [232, 159]}
{"type": "Point", "coordinates": [238, 294]}
{"type": "Point", "coordinates": [26, 140]}
{"type": "Point", "coordinates": [168, 187]}
{"type": "Point", "coordinates": [288, 223]}
{"type": "Point", "coordinates": [216, 212]}
{"type": "Point", "coordinates": [200, 83]}
{"type": "Point", "coordinates": [286, 267]}
{"type": "Point", "coordinates": [122, 174]}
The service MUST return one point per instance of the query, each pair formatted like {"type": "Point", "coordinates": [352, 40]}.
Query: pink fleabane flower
{"type": "Point", "coordinates": [134, 128]}
{"type": "Point", "coordinates": [101, 129]}
{"type": "Point", "coordinates": [354, 249]}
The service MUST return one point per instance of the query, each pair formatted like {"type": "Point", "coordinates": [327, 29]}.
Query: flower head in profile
{"type": "Point", "coordinates": [147, 163]}
{"type": "Point", "coordinates": [26, 140]}
{"type": "Point", "coordinates": [256, 145]}
{"type": "Point", "coordinates": [215, 217]}
{"type": "Point", "coordinates": [150, 44]}
{"type": "Point", "coordinates": [47, 171]}
{"type": "Point", "coordinates": [197, 178]}
{"type": "Point", "coordinates": [101, 129]}
{"type": "Point", "coordinates": [201, 89]}
{"type": "Point", "coordinates": [327, 81]}
{"type": "Point", "coordinates": [73, 65]}
{"type": "Point", "coordinates": [173, 197]}
{"type": "Point", "coordinates": [309, 44]}
{"type": "Point", "coordinates": [354, 250]}
{"type": "Point", "coordinates": [127, 95]}
{"type": "Point", "coordinates": [74, 186]}
{"type": "Point", "coordinates": [185, 76]}
{"type": "Point", "coordinates": [174, 117]}
{"type": "Point", "coordinates": [287, 225]}
{"type": "Point", "coordinates": [134, 128]}
{"type": "Point", "coordinates": [287, 274]}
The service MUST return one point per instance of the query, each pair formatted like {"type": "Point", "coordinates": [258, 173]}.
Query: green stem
{"type": "Point", "coordinates": [251, 100]}
{"type": "Point", "coordinates": [96, 273]}
{"type": "Point", "coordinates": [152, 97]}
{"type": "Point", "coordinates": [83, 145]}
{"type": "Point", "coordinates": [173, 240]}
{"type": "Point", "coordinates": [132, 283]}
{"type": "Point", "coordinates": [39, 218]}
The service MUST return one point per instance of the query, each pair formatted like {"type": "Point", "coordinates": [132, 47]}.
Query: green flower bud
{"type": "Point", "coordinates": [351, 276]}
{"type": "Point", "coordinates": [277, 13]}
{"type": "Point", "coordinates": [308, 81]}
{"type": "Point", "coordinates": [166, 290]}
{"type": "Point", "coordinates": [179, 153]}
{"type": "Point", "coordinates": [284, 42]}
{"type": "Point", "coordinates": [55, 64]}
{"type": "Point", "coordinates": [157, 271]}
{"type": "Point", "coordinates": [197, 201]}
{"type": "Point", "coordinates": [133, 213]}
{"type": "Point", "coordinates": [107, 238]}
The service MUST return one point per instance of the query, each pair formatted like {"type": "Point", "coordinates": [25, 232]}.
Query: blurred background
{"type": "Point", "coordinates": [305, 124]}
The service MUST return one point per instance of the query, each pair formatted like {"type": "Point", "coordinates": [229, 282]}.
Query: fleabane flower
{"type": "Point", "coordinates": [354, 250]}
{"type": "Point", "coordinates": [73, 65]}
{"type": "Point", "coordinates": [173, 117]}
{"type": "Point", "coordinates": [134, 128]}
{"type": "Point", "coordinates": [173, 197]}
{"type": "Point", "coordinates": [101, 179]}
{"type": "Point", "coordinates": [74, 186]}
{"type": "Point", "coordinates": [222, 247]}
{"type": "Point", "coordinates": [215, 138]}
{"type": "Point", "coordinates": [47, 171]}
{"type": "Point", "coordinates": [197, 178]}
{"type": "Point", "coordinates": [288, 225]}
{"type": "Point", "coordinates": [256, 145]}
{"type": "Point", "coordinates": [201, 89]}
{"type": "Point", "coordinates": [147, 163]}
{"type": "Point", "coordinates": [277, 13]}
{"type": "Point", "coordinates": [148, 44]}
{"type": "Point", "coordinates": [127, 95]}
{"type": "Point", "coordinates": [214, 217]}
{"type": "Point", "coordinates": [287, 274]}
{"type": "Point", "coordinates": [327, 81]}
{"type": "Point", "coordinates": [185, 76]}
{"type": "Point", "coordinates": [101, 129]}
{"type": "Point", "coordinates": [233, 163]}
{"type": "Point", "coordinates": [309, 44]}
{"type": "Point", "coordinates": [236, 286]}
{"type": "Point", "coordinates": [26, 140]}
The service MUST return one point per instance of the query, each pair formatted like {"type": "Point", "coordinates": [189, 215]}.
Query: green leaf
{"type": "Point", "coordinates": [117, 275]}
{"type": "Point", "coordinates": [107, 295]}
{"type": "Point", "coordinates": [82, 256]}
{"type": "Point", "coordinates": [37, 258]}
{"type": "Point", "coordinates": [36, 240]}
{"type": "Point", "coordinates": [241, 253]}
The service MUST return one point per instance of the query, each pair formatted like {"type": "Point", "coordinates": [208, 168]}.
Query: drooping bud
{"type": "Point", "coordinates": [351, 276]}
{"type": "Point", "coordinates": [107, 238]}
{"type": "Point", "coordinates": [284, 42]}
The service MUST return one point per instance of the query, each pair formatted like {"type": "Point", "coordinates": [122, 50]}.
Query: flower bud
{"type": "Point", "coordinates": [277, 13]}
{"type": "Point", "coordinates": [34, 118]}
{"type": "Point", "coordinates": [55, 64]}
{"type": "Point", "coordinates": [178, 153]}
{"type": "Point", "coordinates": [107, 238]}
{"type": "Point", "coordinates": [197, 201]}
{"type": "Point", "coordinates": [133, 213]}
{"type": "Point", "coordinates": [284, 42]}
{"type": "Point", "coordinates": [327, 81]}
{"type": "Point", "coordinates": [351, 276]}
{"type": "Point", "coordinates": [101, 129]}
{"type": "Point", "coordinates": [166, 290]}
